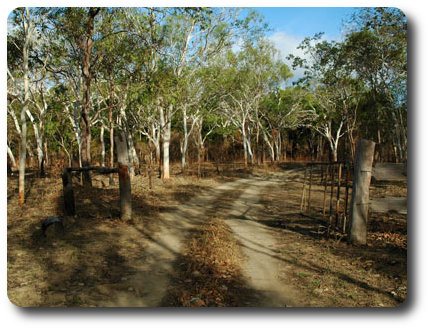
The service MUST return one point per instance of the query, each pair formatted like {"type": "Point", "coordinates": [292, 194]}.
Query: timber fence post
{"type": "Point", "coordinates": [68, 195]}
{"type": "Point", "coordinates": [124, 177]}
{"type": "Point", "coordinates": [360, 192]}
{"type": "Point", "coordinates": [310, 189]}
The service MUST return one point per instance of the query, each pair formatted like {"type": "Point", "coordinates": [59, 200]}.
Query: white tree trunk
{"type": "Point", "coordinates": [11, 157]}
{"type": "Point", "coordinates": [245, 153]}
{"type": "Point", "coordinates": [270, 145]}
{"type": "Point", "coordinates": [184, 146]}
{"type": "Point", "coordinates": [155, 133]}
{"type": "Point", "coordinates": [77, 129]}
{"type": "Point", "coordinates": [166, 146]}
{"type": "Point", "coordinates": [102, 142]}
{"type": "Point", "coordinates": [132, 154]}
{"type": "Point", "coordinates": [39, 141]}
{"type": "Point", "coordinates": [165, 120]}
{"type": "Point", "coordinates": [25, 55]}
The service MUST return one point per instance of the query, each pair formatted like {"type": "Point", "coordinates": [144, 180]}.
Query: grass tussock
{"type": "Point", "coordinates": [208, 274]}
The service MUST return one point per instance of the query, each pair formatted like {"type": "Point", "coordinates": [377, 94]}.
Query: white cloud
{"type": "Point", "coordinates": [287, 44]}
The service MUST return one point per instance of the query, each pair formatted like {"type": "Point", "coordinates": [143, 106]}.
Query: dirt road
{"type": "Point", "coordinates": [149, 284]}
{"type": "Point", "coordinates": [261, 265]}
{"type": "Point", "coordinates": [264, 251]}
{"type": "Point", "coordinates": [259, 246]}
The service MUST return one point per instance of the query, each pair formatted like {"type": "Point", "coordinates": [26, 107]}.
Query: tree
{"type": "Point", "coordinates": [281, 110]}
{"type": "Point", "coordinates": [376, 52]}
{"type": "Point", "coordinates": [333, 93]}
{"type": "Point", "coordinates": [249, 76]}
{"type": "Point", "coordinates": [75, 27]}
{"type": "Point", "coordinates": [23, 20]}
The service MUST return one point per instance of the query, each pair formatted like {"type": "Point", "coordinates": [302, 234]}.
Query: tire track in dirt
{"type": "Point", "coordinates": [147, 287]}
{"type": "Point", "coordinates": [261, 267]}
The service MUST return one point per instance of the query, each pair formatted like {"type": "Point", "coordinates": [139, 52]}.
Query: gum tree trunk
{"type": "Point", "coordinates": [111, 131]}
{"type": "Point", "coordinates": [24, 109]}
{"type": "Point", "coordinates": [102, 142]}
{"type": "Point", "coordinates": [165, 120]}
{"type": "Point", "coordinates": [86, 46]}
{"type": "Point", "coordinates": [11, 157]}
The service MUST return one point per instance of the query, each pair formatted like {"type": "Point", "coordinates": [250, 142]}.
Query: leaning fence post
{"type": "Point", "coordinates": [310, 189]}
{"type": "Point", "coordinates": [331, 192]}
{"type": "Point", "coordinates": [325, 189]}
{"type": "Point", "coordinates": [124, 177]}
{"type": "Point", "coordinates": [345, 206]}
{"type": "Point", "coordinates": [339, 179]}
{"type": "Point", "coordinates": [360, 192]}
{"type": "Point", "coordinates": [68, 195]}
{"type": "Point", "coordinates": [303, 202]}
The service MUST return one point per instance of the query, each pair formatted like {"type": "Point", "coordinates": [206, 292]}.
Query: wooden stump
{"type": "Point", "coordinates": [360, 192]}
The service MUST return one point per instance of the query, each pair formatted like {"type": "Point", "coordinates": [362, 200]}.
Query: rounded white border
{"type": "Point", "coordinates": [414, 315]}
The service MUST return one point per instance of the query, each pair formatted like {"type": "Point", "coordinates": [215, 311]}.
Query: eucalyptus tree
{"type": "Point", "coordinates": [23, 35]}
{"type": "Point", "coordinates": [333, 92]}
{"type": "Point", "coordinates": [114, 53]}
{"type": "Point", "coordinates": [249, 75]}
{"type": "Point", "coordinates": [190, 107]}
{"type": "Point", "coordinates": [59, 129]}
{"type": "Point", "coordinates": [281, 111]}
{"type": "Point", "coordinates": [74, 35]}
{"type": "Point", "coordinates": [195, 36]}
{"type": "Point", "coordinates": [376, 52]}
{"type": "Point", "coordinates": [175, 44]}
{"type": "Point", "coordinates": [39, 103]}
{"type": "Point", "coordinates": [360, 82]}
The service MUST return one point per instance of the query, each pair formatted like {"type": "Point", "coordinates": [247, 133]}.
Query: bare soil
{"type": "Point", "coordinates": [189, 245]}
{"type": "Point", "coordinates": [316, 258]}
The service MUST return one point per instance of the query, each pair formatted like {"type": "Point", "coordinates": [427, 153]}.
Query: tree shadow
{"type": "Point", "coordinates": [350, 252]}
{"type": "Point", "coordinates": [87, 264]}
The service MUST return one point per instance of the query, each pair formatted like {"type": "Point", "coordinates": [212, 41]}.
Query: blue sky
{"type": "Point", "coordinates": [290, 25]}
{"type": "Point", "coordinates": [305, 21]}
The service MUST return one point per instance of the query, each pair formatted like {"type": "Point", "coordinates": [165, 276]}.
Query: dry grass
{"type": "Point", "coordinates": [97, 251]}
{"type": "Point", "coordinates": [208, 274]}
{"type": "Point", "coordinates": [328, 270]}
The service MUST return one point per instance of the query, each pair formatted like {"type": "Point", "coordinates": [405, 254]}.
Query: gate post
{"type": "Point", "coordinates": [68, 195]}
{"type": "Point", "coordinates": [124, 177]}
{"type": "Point", "coordinates": [360, 192]}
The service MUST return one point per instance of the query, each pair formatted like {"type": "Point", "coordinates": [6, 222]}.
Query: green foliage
{"type": "Point", "coordinates": [217, 64]}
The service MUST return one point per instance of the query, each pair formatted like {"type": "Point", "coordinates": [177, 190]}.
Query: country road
{"type": "Point", "coordinates": [234, 203]}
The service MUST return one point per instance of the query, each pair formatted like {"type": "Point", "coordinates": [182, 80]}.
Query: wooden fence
{"type": "Point", "coordinates": [334, 179]}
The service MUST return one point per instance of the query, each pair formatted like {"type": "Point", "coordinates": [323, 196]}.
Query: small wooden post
{"type": "Point", "coordinates": [345, 206]}
{"type": "Point", "coordinates": [310, 187]}
{"type": "Point", "coordinates": [325, 189]}
{"type": "Point", "coordinates": [339, 179]}
{"type": "Point", "coordinates": [148, 161]}
{"type": "Point", "coordinates": [69, 197]}
{"type": "Point", "coordinates": [124, 177]}
{"type": "Point", "coordinates": [150, 176]}
{"type": "Point", "coordinates": [302, 204]}
{"type": "Point", "coordinates": [360, 192]}
{"type": "Point", "coordinates": [331, 191]}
